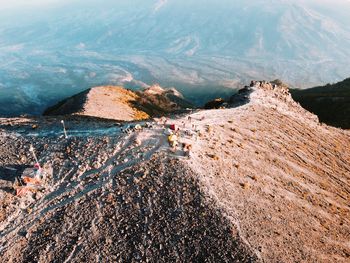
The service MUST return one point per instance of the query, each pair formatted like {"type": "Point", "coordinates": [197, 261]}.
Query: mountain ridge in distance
{"type": "Point", "coordinates": [55, 53]}
{"type": "Point", "coordinates": [331, 102]}
{"type": "Point", "coordinates": [118, 103]}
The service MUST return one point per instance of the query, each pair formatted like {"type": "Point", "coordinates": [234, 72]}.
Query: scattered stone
{"type": "Point", "coordinates": [245, 185]}
{"type": "Point", "coordinates": [213, 156]}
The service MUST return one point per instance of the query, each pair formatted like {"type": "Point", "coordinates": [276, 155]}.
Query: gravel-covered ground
{"type": "Point", "coordinates": [111, 200]}
{"type": "Point", "coordinates": [153, 213]}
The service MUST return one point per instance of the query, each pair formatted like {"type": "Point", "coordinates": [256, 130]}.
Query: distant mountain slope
{"type": "Point", "coordinates": [331, 102]}
{"type": "Point", "coordinates": [118, 103]}
{"type": "Point", "coordinates": [54, 52]}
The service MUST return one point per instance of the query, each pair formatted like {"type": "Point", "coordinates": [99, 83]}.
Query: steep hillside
{"type": "Point", "coordinates": [281, 176]}
{"type": "Point", "coordinates": [331, 103]}
{"type": "Point", "coordinates": [264, 182]}
{"type": "Point", "coordinates": [121, 104]}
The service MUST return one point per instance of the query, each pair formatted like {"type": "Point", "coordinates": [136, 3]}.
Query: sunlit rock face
{"type": "Point", "coordinates": [204, 49]}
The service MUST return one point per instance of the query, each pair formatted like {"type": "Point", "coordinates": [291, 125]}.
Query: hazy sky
{"type": "Point", "coordinates": [20, 3]}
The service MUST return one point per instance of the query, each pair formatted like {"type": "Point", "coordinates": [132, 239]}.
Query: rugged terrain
{"type": "Point", "coordinates": [117, 103]}
{"type": "Point", "coordinates": [265, 182]}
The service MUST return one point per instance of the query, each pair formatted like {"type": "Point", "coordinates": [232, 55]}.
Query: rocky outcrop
{"type": "Point", "coordinates": [215, 104]}
{"type": "Point", "coordinates": [271, 95]}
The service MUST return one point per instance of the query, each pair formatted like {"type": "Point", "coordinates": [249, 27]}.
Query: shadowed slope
{"type": "Point", "coordinates": [331, 103]}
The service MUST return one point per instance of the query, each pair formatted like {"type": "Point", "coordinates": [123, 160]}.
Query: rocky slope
{"type": "Point", "coordinates": [331, 102]}
{"type": "Point", "coordinates": [265, 182]}
{"type": "Point", "coordinates": [121, 104]}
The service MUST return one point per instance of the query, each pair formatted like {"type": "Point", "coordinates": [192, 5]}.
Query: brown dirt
{"type": "Point", "coordinates": [113, 103]}
{"type": "Point", "coordinates": [118, 103]}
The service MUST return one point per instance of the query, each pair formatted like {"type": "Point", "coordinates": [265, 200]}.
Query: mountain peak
{"type": "Point", "coordinates": [118, 103]}
{"type": "Point", "coordinates": [154, 89]}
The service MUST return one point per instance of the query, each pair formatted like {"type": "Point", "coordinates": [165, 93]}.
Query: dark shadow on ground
{"type": "Point", "coordinates": [154, 211]}
{"type": "Point", "coordinates": [10, 172]}
{"type": "Point", "coordinates": [8, 175]}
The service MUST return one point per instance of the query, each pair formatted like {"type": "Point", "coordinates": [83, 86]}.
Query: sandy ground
{"type": "Point", "coordinates": [265, 182]}
{"type": "Point", "coordinates": [112, 102]}
{"type": "Point", "coordinates": [120, 104]}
